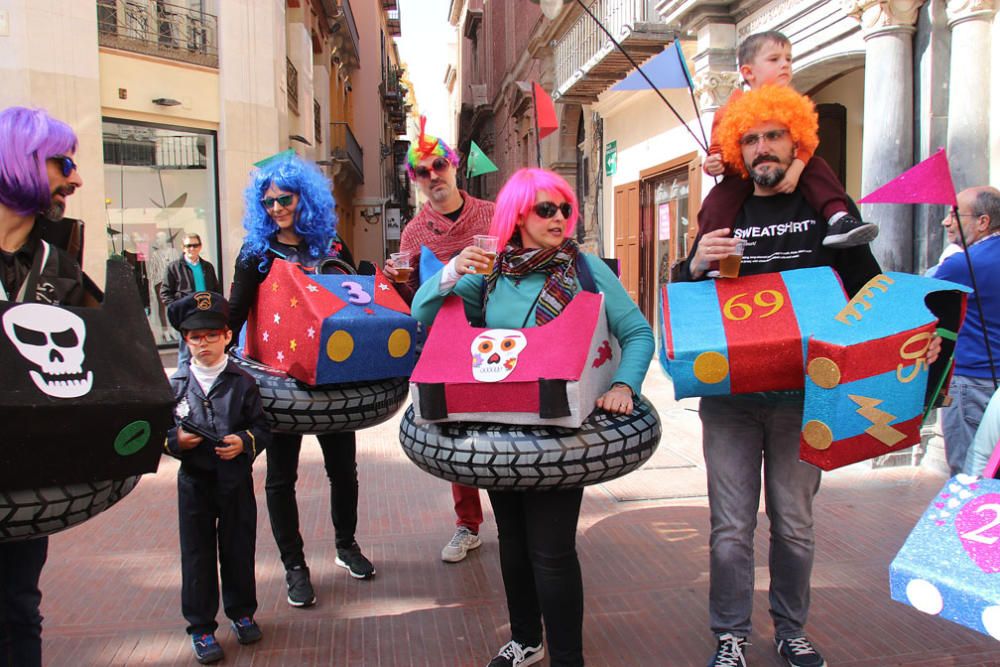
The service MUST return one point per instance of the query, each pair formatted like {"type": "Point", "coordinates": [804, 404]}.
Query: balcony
{"type": "Point", "coordinates": [292, 76]}
{"type": "Point", "coordinates": [160, 29]}
{"type": "Point", "coordinates": [392, 22]}
{"type": "Point", "coordinates": [346, 51]}
{"type": "Point", "coordinates": [587, 63]}
{"type": "Point", "coordinates": [390, 4]}
{"type": "Point", "coordinates": [346, 156]}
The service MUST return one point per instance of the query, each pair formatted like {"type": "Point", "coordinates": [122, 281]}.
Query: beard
{"type": "Point", "coordinates": [57, 209]}
{"type": "Point", "coordinates": [770, 177]}
{"type": "Point", "coordinates": [441, 194]}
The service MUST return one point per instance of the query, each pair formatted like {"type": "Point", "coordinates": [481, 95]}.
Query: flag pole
{"type": "Point", "coordinates": [975, 294]}
{"type": "Point", "coordinates": [538, 138]}
{"type": "Point", "coordinates": [631, 60]}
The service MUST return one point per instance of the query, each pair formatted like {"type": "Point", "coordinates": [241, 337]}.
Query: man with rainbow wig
{"type": "Point", "coordinates": [37, 175]}
{"type": "Point", "coordinates": [444, 225]}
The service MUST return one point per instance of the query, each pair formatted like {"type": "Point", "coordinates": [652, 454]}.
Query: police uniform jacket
{"type": "Point", "coordinates": [233, 405]}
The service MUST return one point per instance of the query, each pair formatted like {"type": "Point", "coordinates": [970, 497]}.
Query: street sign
{"type": "Point", "coordinates": [611, 158]}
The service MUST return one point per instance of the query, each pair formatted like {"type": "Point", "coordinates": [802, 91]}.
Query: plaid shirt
{"type": "Point", "coordinates": [444, 237]}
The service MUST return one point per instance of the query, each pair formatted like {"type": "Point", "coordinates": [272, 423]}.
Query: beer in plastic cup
{"type": "Point", "coordinates": [729, 267]}
{"type": "Point", "coordinates": [488, 244]}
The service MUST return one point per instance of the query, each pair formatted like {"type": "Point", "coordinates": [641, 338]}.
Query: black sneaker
{"type": "Point", "coordinates": [355, 562]}
{"type": "Point", "coordinates": [848, 231]}
{"type": "Point", "coordinates": [516, 654]}
{"type": "Point", "coordinates": [247, 631]}
{"type": "Point", "coordinates": [730, 652]}
{"type": "Point", "coordinates": [206, 649]}
{"type": "Point", "coordinates": [799, 652]}
{"type": "Point", "coordinates": [300, 590]}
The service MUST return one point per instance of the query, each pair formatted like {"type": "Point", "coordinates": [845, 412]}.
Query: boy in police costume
{"type": "Point", "coordinates": [219, 431]}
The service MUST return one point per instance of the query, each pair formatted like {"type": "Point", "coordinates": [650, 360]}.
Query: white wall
{"type": "Point", "coordinates": [849, 90]}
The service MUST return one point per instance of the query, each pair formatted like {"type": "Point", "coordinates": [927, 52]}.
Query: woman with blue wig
{"type": "Point", "coordinates": [289, 214]}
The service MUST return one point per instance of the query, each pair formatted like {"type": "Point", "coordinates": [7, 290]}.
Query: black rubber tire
{"type": "Point", "coordinates": [36, 512]}
{"type": "Point", "coordinates": [293, 407]}
{"type": "Point", "coordinates": [506, 457]}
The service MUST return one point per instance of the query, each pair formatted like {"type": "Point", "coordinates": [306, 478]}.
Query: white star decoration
{"type": "Point", "coordinates": [312, 288]}
{"type": "Point", "coordinates": [281, 355]}
{"type": "Point", "coordinates": [266, 336]}
{"type": "Point", "coordinates": [277, 318]}
{"type": "Point", "coordinates": [383, 286]}
{"type": "Point", "coordinates": [311, 332]}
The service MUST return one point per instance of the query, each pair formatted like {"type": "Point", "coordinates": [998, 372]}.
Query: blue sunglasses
{"type": "Point", "coordinates": [66, 164]}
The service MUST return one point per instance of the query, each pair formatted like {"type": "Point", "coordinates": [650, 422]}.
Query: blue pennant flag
{"type": "Point", "coordinates": [429, 264]}
{"type": "Point", "coordinates": [666, 70]}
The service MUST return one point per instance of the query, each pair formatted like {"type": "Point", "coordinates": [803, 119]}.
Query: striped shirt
{"type": "Point", "coordinates": [442, 236]}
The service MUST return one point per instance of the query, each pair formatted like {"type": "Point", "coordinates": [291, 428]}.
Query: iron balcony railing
{"type": "Point", "coordinates": [586, 41]}
{"type": "Point", "coordinates": [292, 75]}
{"type": "Point", "coordinates": [159, 29]}
{"type": "Point", "coordinates": [317, 122]}
{"type": "Point", "coordinates": [344, 147]}
{"type": "Point", "coordinates": [393, 22]}
{"type": "Point", "coordinates": [352, 27]}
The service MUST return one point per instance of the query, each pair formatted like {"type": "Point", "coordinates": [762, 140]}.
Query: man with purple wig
{"type": "Point", "coordinates": [37, 174]}
{"type": "Point", "coordinates": [445, 224]}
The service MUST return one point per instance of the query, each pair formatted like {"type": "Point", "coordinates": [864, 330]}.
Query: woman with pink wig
{"type": "Point", "coordinates": [538, 272]}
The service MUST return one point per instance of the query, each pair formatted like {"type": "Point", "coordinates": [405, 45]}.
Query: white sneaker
{"type": "Point", "coordinates": [514, 654]}
{"type": "Point", "coordinates": [461, 544]}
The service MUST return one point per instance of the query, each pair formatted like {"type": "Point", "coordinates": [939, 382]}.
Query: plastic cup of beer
{"type": "Point", "coordinates": [729, 267]}
{"type": "Point", "coordinates": [487, 244]}
{"type": "Point", "coordinates": [401, 262]}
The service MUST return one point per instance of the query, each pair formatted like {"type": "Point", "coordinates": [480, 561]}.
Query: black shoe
{"type": "Point", "coordinates": [355, 562]}
{"type": "Point", "coordinates": [799, 652]}
{"type": "Point", "coordinates": [300, 590]}
{"type": "Point", "coordinates": [247, 631]}
{"type": "Point", "coordinates": [206, 649]}
{"type": "Point", "coordinates": [730, 652]}
{"type": "Point", "coordinates": [516, 654]}
{"type": "Point", "coordinates": [848, 231]}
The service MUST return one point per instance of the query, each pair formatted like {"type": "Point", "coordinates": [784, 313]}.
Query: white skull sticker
{"type": "Point", "coordinates": [494, 354]}
{"type": "Point", "coordinates": [52, 339]}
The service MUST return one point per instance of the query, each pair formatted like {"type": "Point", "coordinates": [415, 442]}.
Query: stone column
{"type": "Point", "coordinates": [887, 144]}
{"type": "Point", "coordinates": [969, 95]}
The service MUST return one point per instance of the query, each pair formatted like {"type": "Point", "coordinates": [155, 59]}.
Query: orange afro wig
{"type": "Point", "coordinates": [777, 104]}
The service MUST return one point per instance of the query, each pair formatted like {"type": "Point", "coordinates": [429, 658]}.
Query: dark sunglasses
{"type": "Point", "coordinates": [440, 165]}
{"type": "Point", "coordinates": [66, 164]}
{"type": "Point", "coordinates": [192, 245]}
{"type": "Point", "coordinates": [283, 201]}
{"type": "Point", "coordinates": [547, 209]}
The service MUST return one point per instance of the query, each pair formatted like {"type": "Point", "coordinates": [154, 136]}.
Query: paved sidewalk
{"type": "Point", "coordinates": [112, 586]}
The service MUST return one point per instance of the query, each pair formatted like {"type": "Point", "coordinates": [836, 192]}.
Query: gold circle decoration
{"type": "Point", "coordinates": [711, 367]}
{"type": "Point", "coordinates": [399, 343]}
{"type": "Point", "coordinates": [824, 372]}
{"type": "Point", "coordinates": [817, 435]}
{"type": "Point", "coordinates": [339, 346]}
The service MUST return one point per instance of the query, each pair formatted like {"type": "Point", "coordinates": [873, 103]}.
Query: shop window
{"type": "Point", "coordinates": [160, 185]}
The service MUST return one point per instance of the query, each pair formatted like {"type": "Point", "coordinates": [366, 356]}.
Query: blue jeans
{"type": "Point", "coordinates": [739, 434]}
{"type": "Point", "coordinates": [959, 421]}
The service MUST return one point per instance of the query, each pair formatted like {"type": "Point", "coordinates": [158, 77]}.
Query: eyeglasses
{"type": "Point", "coordinates": [198, 339]}
{"type": "Point", "coordinates": [282, 200]}
{"type": "Point", "coordinates": [750, 140]}
{"type": "Point", "coordinates": [66, 164]}
{"type": "Point", "coordinates": [440, 165]}
{"type": "Point", "coordinates": [547, 209]}
{"type": "Point", "coordinates": [192, 245]}
{"type": "Point", "coordinates": [953, 215]}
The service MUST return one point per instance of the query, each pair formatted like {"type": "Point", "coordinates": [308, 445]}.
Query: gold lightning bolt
{"type": "Point", "coordinates": [880, 429]}
{"type": "Point", "coordinates": [853, 308]}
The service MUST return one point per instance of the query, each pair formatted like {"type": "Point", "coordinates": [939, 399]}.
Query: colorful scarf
{"type": "Point", "coordinates": [559, 266]}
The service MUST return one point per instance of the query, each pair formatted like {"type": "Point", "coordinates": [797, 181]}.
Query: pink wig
{"type": "Point", "coordinates": [517, 198]}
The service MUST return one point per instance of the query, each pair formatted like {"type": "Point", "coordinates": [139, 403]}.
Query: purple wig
{"type": "Point", "coordinates": [28, 137]}
{"type": "Point", "coordinates": [517, 197]}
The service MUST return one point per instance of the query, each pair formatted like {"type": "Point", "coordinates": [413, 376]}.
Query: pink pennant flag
{"type": "Point", "coordinates": [928, 182]}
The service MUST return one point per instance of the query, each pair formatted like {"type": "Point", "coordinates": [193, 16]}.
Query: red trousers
{"type": "Point", "coordinates": [468, 509]}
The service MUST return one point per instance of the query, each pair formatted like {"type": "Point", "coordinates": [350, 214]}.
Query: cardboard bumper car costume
{"type": "Point", "coordinates": [860, 362]}
{"type": "Point", "coordinates": [86, 408]}
{"type": "Point", "coordinates": [950, 563]}
{"type": "Point", "coordinates": [514, 408]}
{"type": "Point", "coordinates": [330, 352]}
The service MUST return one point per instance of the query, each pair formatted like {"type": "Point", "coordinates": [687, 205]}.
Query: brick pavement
{"type": "Point", "coordinates": [111, 588]}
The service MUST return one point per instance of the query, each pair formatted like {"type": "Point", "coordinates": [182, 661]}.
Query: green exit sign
{"type": "Point", "coordinates": [611, 158]}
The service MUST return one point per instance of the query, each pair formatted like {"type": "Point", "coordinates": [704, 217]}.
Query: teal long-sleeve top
{"type": "Point", "coordinates": [513, 303]}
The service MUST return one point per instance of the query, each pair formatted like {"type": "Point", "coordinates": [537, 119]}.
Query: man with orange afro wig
{"type": "Point", "coordinates": [741, 433]}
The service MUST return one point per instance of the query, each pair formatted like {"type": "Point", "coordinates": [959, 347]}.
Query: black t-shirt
{"type": "Point", "coordinates": [783, 232]}
{"type": "Point", "coordinates": [456, 214]}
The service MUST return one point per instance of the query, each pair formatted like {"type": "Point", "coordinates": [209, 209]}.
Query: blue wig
{"type": "Point", "coordinates": [315, 220]}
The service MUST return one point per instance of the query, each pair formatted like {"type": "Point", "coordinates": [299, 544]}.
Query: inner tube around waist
{"type": "Point", "coordinates": [505, 457]}
{"type": "Point", "coordinates": [293, 407]}
{"type": "Point", "coordinates": [30, 513]}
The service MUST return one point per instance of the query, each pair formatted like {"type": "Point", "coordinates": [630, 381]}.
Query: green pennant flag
{"type": "Point", "coordinates": [479, 164]}
{"type": "Point", "coordinates": [283, 155]}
